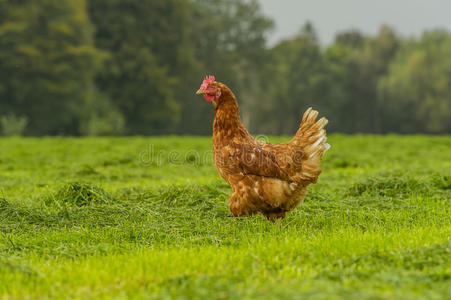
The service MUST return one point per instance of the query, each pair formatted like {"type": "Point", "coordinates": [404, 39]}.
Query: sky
{"type": "Point", "coordinates": [407, 17]}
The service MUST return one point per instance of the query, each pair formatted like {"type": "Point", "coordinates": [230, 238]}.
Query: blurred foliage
{"type": "Point", "coordinates": [104, 118]}
{"type": "Point", "coordinates": [140, 37]}
{"type": "Point", "coordinates": [108, 67]}
{"type": "Point", "coordinates": [47, 63]}
{"type": "Point", "coordinates": [229, 41]}
{"type": "Point", "coordinates": [292, 81]}
{"type": "Point", "coordinates": [418, 86]}
{"type": "Point", "coordinates": [12, 125]}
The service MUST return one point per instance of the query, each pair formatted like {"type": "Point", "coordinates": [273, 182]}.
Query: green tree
{"type": "Point", "coordinates": [417, 90]}
{"type": "Point", "coordinates": [292, 81]}
{"type": "Point", "coordinates": [145, 40]}
{"type": "Point", "coordinates": [229, 39]}
{"type": "Point", "coordinates": [371, 62]}
{"type": "Point", "coordinates": [351, 38]}
{"type": "Point", "coordinates": [47, 63]}
{"type": "Point", "coordinates": [335, 101]}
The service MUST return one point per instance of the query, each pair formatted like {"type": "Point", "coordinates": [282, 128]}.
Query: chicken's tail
{"type": "Point", "coordinates": [311, 139]}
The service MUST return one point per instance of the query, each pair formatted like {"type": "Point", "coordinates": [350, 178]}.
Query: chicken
{"type": "Point", "coordinates": [265, 178]}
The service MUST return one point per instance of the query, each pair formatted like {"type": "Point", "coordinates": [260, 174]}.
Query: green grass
{"type": "Point", "coordinates": [98, 218]}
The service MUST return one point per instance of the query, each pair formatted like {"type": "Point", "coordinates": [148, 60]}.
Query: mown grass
{"type": "Point", "coordinates": [102, 218]}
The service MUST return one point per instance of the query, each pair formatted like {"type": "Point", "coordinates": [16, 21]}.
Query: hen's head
{"type": "Point", "coordinates": [210, 89]}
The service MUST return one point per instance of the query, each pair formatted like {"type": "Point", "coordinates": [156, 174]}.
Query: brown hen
{"type": "Point", "coordinates": [271, 179]}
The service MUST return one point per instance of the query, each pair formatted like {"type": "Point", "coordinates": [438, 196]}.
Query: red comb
{"type": "Point", "coordinates": [207, 81]}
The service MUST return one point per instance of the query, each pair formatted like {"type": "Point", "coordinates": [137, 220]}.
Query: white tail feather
{"type": "Point", "coordinates": [311, 137]}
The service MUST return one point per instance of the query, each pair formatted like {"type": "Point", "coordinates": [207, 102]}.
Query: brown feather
{"type": "Point", "coordinates": [265, 178]}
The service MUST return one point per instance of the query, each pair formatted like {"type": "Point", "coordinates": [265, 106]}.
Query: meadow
{"type": "Point", "coordinates": [148, 217]}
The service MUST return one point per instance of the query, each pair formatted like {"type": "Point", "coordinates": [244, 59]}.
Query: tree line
{"type": "Point", "coordinates": [113, 67]}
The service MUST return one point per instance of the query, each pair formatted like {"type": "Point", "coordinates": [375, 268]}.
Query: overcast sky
{"type": "Point", "coordinates": [408, 17]}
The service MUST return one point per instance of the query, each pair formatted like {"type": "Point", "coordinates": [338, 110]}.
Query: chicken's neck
{"type": "Point", "coordinates": [227, 123]}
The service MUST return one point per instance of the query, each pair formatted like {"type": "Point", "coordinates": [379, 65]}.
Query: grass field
{"type": "Point", "coordinates": [148, 217]}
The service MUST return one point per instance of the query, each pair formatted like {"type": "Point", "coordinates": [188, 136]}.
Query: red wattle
{"type": "Point", "coordinates": [209, 98]}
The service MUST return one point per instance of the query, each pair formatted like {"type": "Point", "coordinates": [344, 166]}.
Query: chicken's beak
{"type": "Point", "coordinates": [200, 92]}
